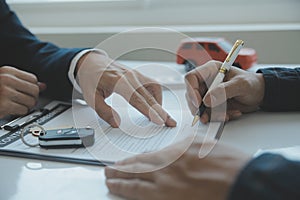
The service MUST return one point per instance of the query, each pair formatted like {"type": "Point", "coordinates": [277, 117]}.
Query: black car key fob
{"type": "Point", "coordinates": [67, 138]}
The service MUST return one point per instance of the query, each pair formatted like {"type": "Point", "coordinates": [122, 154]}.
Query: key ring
{"type": "Point", "coordinates": [35, 134]}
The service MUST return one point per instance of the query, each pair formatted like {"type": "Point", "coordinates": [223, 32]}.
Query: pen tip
{"type": "Point", "coordinates": [195, 120]}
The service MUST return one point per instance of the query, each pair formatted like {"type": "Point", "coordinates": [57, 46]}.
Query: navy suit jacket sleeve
{"type": "Point", "coordinates": [272, 176]}
{"type": "Point", "coordinates": [21, 49]}
{"type": "Point", "coordinates": [268, 177]}
{"type": "Point", "coordinates": [282, 89]}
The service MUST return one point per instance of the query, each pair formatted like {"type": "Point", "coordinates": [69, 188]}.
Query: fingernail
{"type": "Point", "coordinates": [170, 122]}
{"type": "Point", "coordinates": [42, 86]}
{"type": "Point", "coordinates": [109, 183]}
{"type": "Point", "coordinates": [236, 114]}
{"type": "Point", "coordinates": [154, 117]}
{"type": "Point", "coordinates": [226, 118]}
{"type": "Point", "coordinates": [160, 121]}
{"type": "Point", "coordinates": [195, 103]}
{"type": "Point", "coordinates": [115, 121]}
{"type": "Point", "coordinates": [120, 162]}
{"type": "Point", "coordinates": [204, 119]}
{"type": "Point", "coordinates": [210, 100]}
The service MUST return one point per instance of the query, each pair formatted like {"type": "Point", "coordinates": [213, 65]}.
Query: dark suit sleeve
{"type": "Point", "coordinates": [268, 177]}
{"type": "Point", "coordinates": [20, 48]}
{"type": "Point", "coordinates": [282, 89]}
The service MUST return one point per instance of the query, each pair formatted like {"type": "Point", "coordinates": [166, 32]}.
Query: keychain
{"type": "Point", "coordinates": [59, 138]}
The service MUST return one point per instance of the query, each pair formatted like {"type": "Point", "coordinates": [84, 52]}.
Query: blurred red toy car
{"type": "Point", "coordinates": [194, 52]}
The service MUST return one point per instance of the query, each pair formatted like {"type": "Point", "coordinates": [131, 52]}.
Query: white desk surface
{"type": "Point", "coordinates": [27, 179]}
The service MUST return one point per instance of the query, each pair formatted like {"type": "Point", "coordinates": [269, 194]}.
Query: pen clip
{"type": "Point", "coordinates": [234, 48]}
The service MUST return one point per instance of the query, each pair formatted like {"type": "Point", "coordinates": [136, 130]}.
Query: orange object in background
{"type": "Point", "coordinates": [194, 52]}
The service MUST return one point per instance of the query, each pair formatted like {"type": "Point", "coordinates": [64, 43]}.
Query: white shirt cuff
{"type": "Point", "coordinates": [74, 64]}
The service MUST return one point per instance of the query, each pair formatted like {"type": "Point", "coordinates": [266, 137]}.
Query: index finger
{"type": "Point", "coordinates": [199, 79]}
{"type": "Point", "coordinates": [149, 98]}
{"type": "Point", "coordinates": [193, 89]}
{"type": "Point", "coordinates": [126, 90]}
{"type": "Point", "coordinates": [26, 76]}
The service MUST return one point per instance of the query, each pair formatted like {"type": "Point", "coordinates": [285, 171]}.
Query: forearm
{"type": "Point", "coordinates": [268, 177]}
{"type": "Point", "coordinates": [282, 89]}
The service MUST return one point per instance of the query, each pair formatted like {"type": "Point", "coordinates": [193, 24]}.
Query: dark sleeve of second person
{"type": "Point", "coordinates": [282, 89]}
{"type": "Point", "coordinates": [21, 49]}
{"type": "Point", "coordinates": [268, 177]}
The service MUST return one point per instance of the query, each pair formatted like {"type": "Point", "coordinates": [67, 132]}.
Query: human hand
{"type": "Point", "coordinates": [19, 91]}
{"type": "Point", "coordinates": [242, 91]}
{"type": "Point", "coordinates": [100, 76]}
{"type": "Point", "coordinates": [189, 177]}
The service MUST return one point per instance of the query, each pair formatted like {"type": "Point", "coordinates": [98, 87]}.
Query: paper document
{"type": "Point", "coordinates": [135, 135]}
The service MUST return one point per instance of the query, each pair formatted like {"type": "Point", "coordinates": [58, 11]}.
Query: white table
{"type": "Point", "coordinates": [27, 179]}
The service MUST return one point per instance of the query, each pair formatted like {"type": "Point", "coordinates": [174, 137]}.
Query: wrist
{"type": "Point", "coordinates": [80, 60]}
{"type": "Point", "coordinates": [90, 64]}
{"type": "Point", "coordinates": [80, 63]}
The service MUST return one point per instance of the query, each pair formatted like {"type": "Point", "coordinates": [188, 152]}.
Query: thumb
{"type": "Point", "coordinates": [42, 86]}
{"type": "Point", "coordinates": [106, 112]}
{"type": "Point", "coordinates": [222, 93]}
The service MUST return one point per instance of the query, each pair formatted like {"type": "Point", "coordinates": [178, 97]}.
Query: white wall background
{"type": "Point", "coordinates": [272, 27]}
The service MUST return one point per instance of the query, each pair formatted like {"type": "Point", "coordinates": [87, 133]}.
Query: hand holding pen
{"type": "Point", "coordinates": [244, 90]}
{"type": "Point", "coordinates": [221, 74]}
